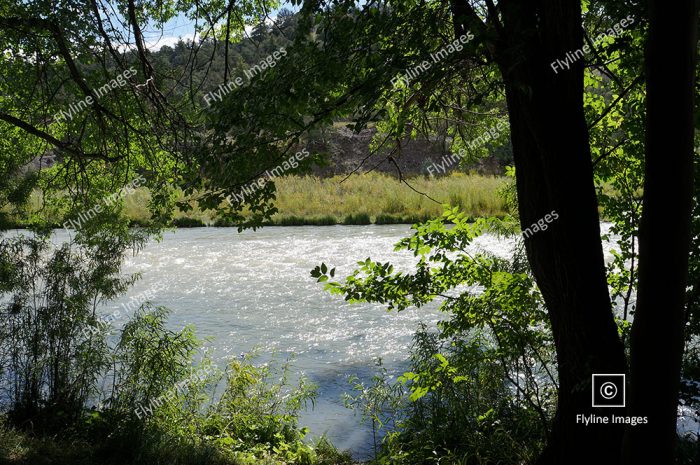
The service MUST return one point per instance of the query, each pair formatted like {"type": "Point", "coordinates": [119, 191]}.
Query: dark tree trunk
{"type": "Point", "coordinates": [664, 235]}
{"type": "Point", "coordinates": [554, 172]}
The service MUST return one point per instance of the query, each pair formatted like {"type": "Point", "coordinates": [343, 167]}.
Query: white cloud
{"type": "Point", "coordinates": [169, 41]}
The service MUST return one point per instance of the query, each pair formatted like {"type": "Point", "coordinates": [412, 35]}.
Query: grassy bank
{"type": "Point", "coordinates": [383, 199]}
{"type": "Point", "coordinates": [364, 199]}
{"type": "Point", "coordinates": [372, 198]}
{"type": "Point", "coordinates": [21, 448]}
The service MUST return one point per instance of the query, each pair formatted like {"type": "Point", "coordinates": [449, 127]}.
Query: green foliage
{"type": "Point", "coordinates": [617, 108]}
{"type": "Point", "coordinates": [310, 200]}
{"type": "Point", "coordinates": [149, 361]}
{"type": "Point", "coordinates": [149, 397]}
{"type": "Point", "coordinates": [359, 218]}
{"type": "Point", "coordinates": [163, 409]}
{"type": "Point", "coordinates": [256, 416]}
{"type": "Point", "coordinates": [398, 219]}
{"type": "Point", "coordinates": [342, 58]}
{"type": "Point", "coordinates": [468, 406]}
{"type": "Point", "coordinates": [187, 223]}
{"type": "Point", "coordinates": [385, 198]}
{"type": "Point", "coordinates": [328, 454]}
{"type": "Point", "coordinates": [52, 349]}
{"type": "Point", "coordinates": [482, 389]}
{"type": "Point", "coordinates": [164, 401]}
{"type": "Point", "coordinates": [324, 220]}
{"type": "Point", "coordinates": [615, 102]}
{"type": "Point", "coordinates": [380, 403]}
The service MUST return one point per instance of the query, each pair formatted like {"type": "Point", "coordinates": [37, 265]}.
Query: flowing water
{"type": "Point", "coordinates": [253, 290]}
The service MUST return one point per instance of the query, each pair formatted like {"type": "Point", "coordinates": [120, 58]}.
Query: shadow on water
{"type": "Point", "coordinates": [346, 431]}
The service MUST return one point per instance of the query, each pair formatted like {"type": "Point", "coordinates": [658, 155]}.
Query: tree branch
{"type": "Point", "coordinates": [33, 130]}
{"type": "Point", "coordinates": [636, 81]}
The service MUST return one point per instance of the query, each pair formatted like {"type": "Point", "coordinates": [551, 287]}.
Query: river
{"type": "Point", "coordinates": [253, 290]}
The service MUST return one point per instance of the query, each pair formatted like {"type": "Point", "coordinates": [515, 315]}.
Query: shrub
{"type": "Point", "coordinates": [52, 347]}
{"type": "Point", "coordinates": [326, 220]}
{"type": "Point", "coordinates": [481, 388]}
{"type": "Point", "coordinates": [160, 405]}
{"type": "Point", "coordinates": [166, 409]}
{"type": "Point", "coordinates": [387, 219]}
{"type": "Point", "coordinates": [185, 222]}
{"type": "Point", "coordinates": [380, 403]}
{"type": "Point", "coordinates": [290, 221]}
{"type": "Point", "coordinates": [357, 219]}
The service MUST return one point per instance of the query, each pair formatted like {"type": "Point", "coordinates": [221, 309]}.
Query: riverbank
{"type": "Point", "coordinates": [368, 198]}
{"type": "Point", "coordinates": [371, 198]}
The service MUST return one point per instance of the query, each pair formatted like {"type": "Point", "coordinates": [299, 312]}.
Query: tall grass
{"type": "Point", "coordinates": [359, 199]}
{"type": "Point", "coordinates": [378, 195]}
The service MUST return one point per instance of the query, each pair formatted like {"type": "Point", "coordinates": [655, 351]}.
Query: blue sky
{"type": "Point", "coordinates": [183, 27]}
